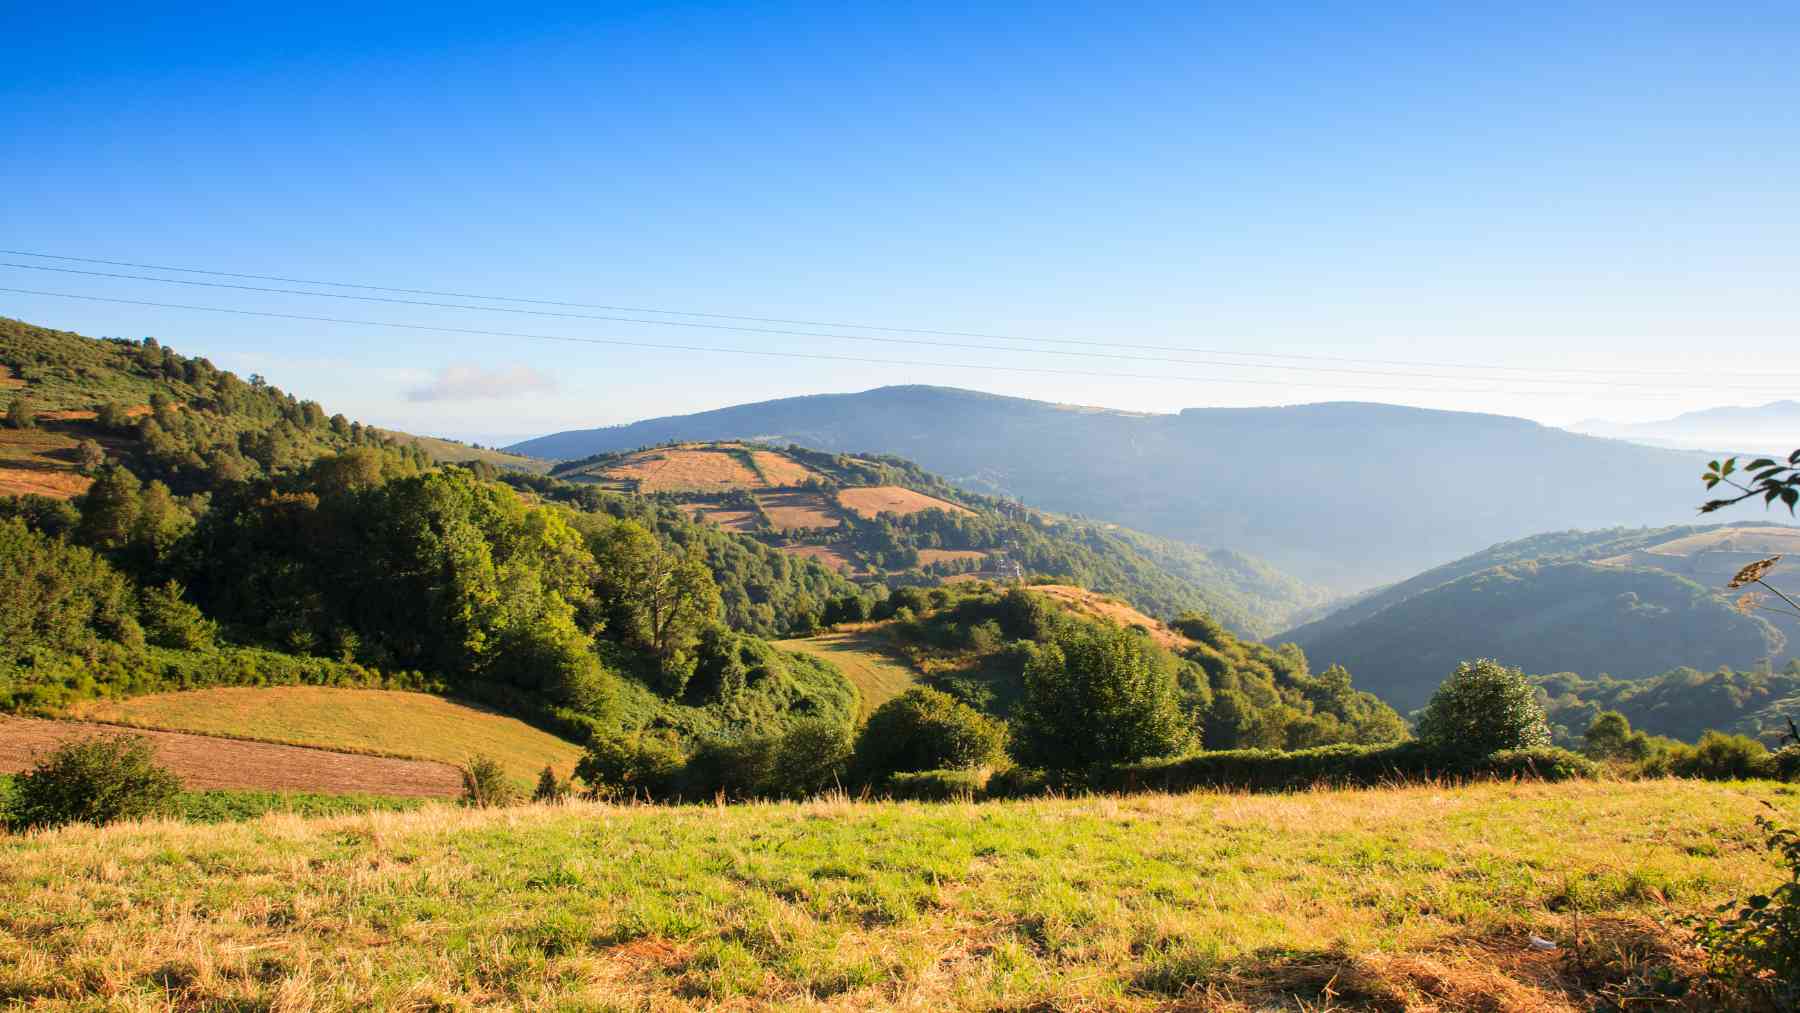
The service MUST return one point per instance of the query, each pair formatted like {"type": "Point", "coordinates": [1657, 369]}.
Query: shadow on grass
{"type": "Point", "coordinates": [1613, 963]}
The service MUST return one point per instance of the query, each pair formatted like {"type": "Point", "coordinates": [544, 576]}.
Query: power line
{"type": "Point", "coordinates": [822, 356]}
{"type": "Point", "coordinates": [1688, 388]}
{"type": "Point", "coordinates": [1610, 372]}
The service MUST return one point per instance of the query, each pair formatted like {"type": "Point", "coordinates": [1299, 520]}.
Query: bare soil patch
{"type": "Point", "coordinates": [42, 482]}
{"type": "Point", "coordinates": [791, 511]}
{"type": "Point", "coordinates": [205, 761]}
{"type": "Point", "coordinates": [873, 501]}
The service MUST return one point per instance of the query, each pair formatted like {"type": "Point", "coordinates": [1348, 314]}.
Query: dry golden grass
{"type": "Point", "coordinates": [390, 722]}
{"type": "Point", "coordinates": [794, 511]}
{"type": "Point", "coordinates": [1420, 898]}
{"type": "Point", "coordinates": [873, 501]}
{"type": "Point", "coordinates": [9, 380]}
{"type": "Point", "coordinates": [824, 554]}
{"type": "Point", "coordinates": [730, 520]}
{"type": "Point", "coordinates": [679, 469]}
{"type": "Point", "coordinates": [779, 469]}
{"type": "Point", "coordinates": [34, 482]}
{"type": "Point", "coordinates": [1090, 603]}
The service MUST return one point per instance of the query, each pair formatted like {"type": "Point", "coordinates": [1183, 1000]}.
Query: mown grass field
{"type": "Point", "coordinates": [388, 722]}
{"type": "Point", "coordinates": [1401, 899]}
{"type": "Point", "coordinates": [864, 659]}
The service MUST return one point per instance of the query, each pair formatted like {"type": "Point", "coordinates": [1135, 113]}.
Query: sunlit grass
{"type": "Point", "coordinates": [389, 722]}
{"type": "Point", "coordinates": [1089, 903]}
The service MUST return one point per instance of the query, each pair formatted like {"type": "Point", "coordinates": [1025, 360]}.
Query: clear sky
{"type": "Point", "coordinates": [1576, 187]}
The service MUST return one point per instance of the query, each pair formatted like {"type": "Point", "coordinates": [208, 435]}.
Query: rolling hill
{"type": "Point", "coordinates": [1345, 494]}
{"type": "Point", "coordinates": [1764, 429]}
{"type": "Point", "coordinates": [1620, 602]}
{"type": "Point", "coordinates": [880, 517]}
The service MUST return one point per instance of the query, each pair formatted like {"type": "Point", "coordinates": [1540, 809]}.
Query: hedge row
{"type": "Point", "coordinates": [45, 680]}
{"type": "Point", "coordinates": [1336, 766]}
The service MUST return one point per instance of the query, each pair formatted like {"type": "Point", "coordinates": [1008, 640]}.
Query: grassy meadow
{"type": "Point", "coordinates": [864, 659]}
{"type": "Point", "coordinates": [1419, 897]}
{"type": "Point", "coordinates": [387, 722]}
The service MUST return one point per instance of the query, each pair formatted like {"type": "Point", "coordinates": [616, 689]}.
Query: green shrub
{"type": "Point", "coordinates": [1716, 757]}
{"type": "Point", "coordinates": [1018, 782]}
{"type": "Point", "coordinates": [937, 785]}
{"type": "Point", "coordinates": [737, 768]}
{"type": "Point", "coordinates": [1484, 707]}
{"type": "Point", "coordinates": [170, 621]}
{"type": "Point", "coordinates": [550, 788]}
{"type": "Point", "coordinates": [639, 766]}
{"type": "Point", "coordinates": [923, 729]}
{"type": "Point", "coordinates": [811, 758]}
{"type": "Point", "coordinates": [97, 780]}
{"type": "Point", "coordinates": [485, 784]}
{"type": "Point", "coordinates": [1784, 763]}
{"type": "Point", "coordinates": [1099, 694]}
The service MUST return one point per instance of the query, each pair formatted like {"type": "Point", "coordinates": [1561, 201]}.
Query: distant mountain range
{"type": "Point", "coordinates": [1773, 428]}
{"type": "Point", "coordinates": [1342, 494]}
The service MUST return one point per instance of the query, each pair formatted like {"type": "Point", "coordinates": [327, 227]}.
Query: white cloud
{"type": "Point", "coordinates": [473, 383]}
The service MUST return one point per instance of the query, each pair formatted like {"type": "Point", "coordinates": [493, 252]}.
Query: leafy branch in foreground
{"type": "Point", "coordinates": [1766, 477]}
{"type": "Point", "coordinates": [1754, 574]}
{"type": "Point", "coordinates": [1758, 948]}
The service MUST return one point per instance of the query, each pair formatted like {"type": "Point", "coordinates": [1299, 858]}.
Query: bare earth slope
{"type": "Point", "coordinates": [205, 761]}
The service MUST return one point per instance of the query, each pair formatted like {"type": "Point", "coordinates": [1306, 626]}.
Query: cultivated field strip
{"type": "Point", "coordinates": [205, 761]}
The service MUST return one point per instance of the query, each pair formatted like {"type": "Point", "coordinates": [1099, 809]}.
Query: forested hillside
{"type": "Point", "coordinates": [228, 533]}
{"type": "Point", "coordinates": [1546, 617]}
{"type": "Point", "coordinates": [224, 532]}
{"type": "Point", "coordinates": [883, 518]}
{"type": "Point", "coordinates": [1550, 547]}
{"type": "Point", "coordinates": [1681, 704]}
{"type": "Point", "coordinates": [1344, 494]}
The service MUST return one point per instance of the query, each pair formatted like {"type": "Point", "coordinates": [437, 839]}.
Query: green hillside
{"type": "Point", "coordinates": [1544, 617]}
{"type": "Point", "coordinates": [1681, 704]}
{"type": "Point", "coordinates": [1346, 495]}
{"type": "Point", "coordinates": [922, 527]}
{"type": "Point", "coordinates": [1551, 547]}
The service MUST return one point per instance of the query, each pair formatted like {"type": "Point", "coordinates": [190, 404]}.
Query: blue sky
{"type": "Point", "coordinates": [1565, 187]}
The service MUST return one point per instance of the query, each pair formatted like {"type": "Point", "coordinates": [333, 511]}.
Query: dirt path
{"type": "Point", "coordinates": [205, 761]}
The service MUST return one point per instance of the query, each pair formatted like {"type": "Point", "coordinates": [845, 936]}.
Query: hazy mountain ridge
{"type": "Point", "coordinates": [1557, 602]}
{"type": "Point", "coordinates": [1773, 428]}
{"type": "Point", "coordinates": [1344, 493]}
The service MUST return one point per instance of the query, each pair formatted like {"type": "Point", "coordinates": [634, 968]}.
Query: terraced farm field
{"type": "Point", "coordinates": [730, 520]}
{"type": "Point", "coordinates": [824, 554]}
{"type": "Point", "coordinates": [206, 762]}
{"type": "Point", "coordinates": [930, 556]}
{"type": "Point", "coordinates": [779, 469]}
{"type": "Point", "coordinates": [863, 657]}
{"type": "Point", "coordinates": [794, 511]}
{"type": "Point", "coordinates": [1420, 898]}
{"type": "Point", "coordinates": [389, 722]}
{"type": "Point", "coordinates": [873, 501]}
{"type": "Point", "coordinates": [676, 469]}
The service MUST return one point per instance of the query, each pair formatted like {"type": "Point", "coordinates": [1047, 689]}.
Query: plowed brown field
{"type": "Point", "coordinates": [205, 761]}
